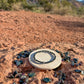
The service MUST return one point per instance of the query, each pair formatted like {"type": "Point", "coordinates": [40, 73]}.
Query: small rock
{"type": "Point", "coordinates": [26, 80]}
{"type": "Point", "coordinates": [77, 65]}
{"type": "Point", "coordinates": [14, 73]}
{"type": "Point", "coordinates": [57, 51]}
{"type": "Point", "coordinates": [10, 76]}
{"type": "Point", "coordinates": [18, 75]}
{"type": "Point", "coordinates": [23, 56]}
{"type": "Point", "coordinates": [78, 71]}
{"type": "Point", "coordinates": [23, 77]}
{"type": "Point", "coordinates": [80, 63]}
{"type": "Point", "coordinates": [21, 81]}
{"type": "Point", "coordinates": [75, 60]}
{"type": "Point", "coordinates": [22, 52]}
{"type": "Point", "coordinates": [46, 80]}
{"type": "Point", "coordinates": [63, 76]}
{"type": "Point", "coordinates": [18, 63]}
{"type": "Point", "coordinates": [72, 63]}
{"type": "Point", "coordinates": [31, 74]}
{"type": "Point", "coordinates": [66, 54]}
{"type": "Point", "coordinates": [18, 57]}
{"type": "Point", "coordinates": [14, 83]}
{"type": "Point", "coordinates": [21, 61]}
{"type": "Point", "coordinates": [55, 75]}
{"type": "Point", "coordinates": [82, 72]}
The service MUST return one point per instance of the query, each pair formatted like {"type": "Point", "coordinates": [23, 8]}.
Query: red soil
{"type": "Point", "coordinates": [21, 30]}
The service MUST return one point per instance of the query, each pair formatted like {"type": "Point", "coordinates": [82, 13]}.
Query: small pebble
{"type": "Point", "coordinates": [77, 65]}
{"type": "Point", "coordinates": [14, 83]}
{"type": "Point", "coordinates": [66, 54]}
{"type": "Point", "coordinates": [78, 71]}
{"type": "Point", "coordinates": [22, 52]}
{"type": "Point", "coordinates": [21, 61]}
{"type": "Point", "coordinates": [82, 72]}
{"type": "Point", "coordinates": [46, 80]}
{"type": "Point", "coordinates": [55, 75]}
{"type": "Point", "coordinates": [14, 73]}
{"type": "Point", "coordinates": [75, 60]}
{"type": "Point", "coordinates": [57, 51]}
{"type": "Point", "coordinates": [26, 80]}
{"type": "Point", "coordinates": [23, 77]}
{"type": "Point", "coordinates": [11, 76]}
{"type": "Point", "coordinates": [63, 76]}
{"type": "Point", "coordinates": [72, 63]}
{"type": "Point", "coordinates": [23, 56]}
{"type": "Point", "coordinates": [18, 63]}
{"type": "Point", "coordinates": [62, 55]}
{"type": "Point", "coordinates": [18, 57]}
{"type": "Point", "coordinates": [21, 81]}
{"type": "Point", "coordinates": [31, 74]}
{"type": "Point", "coordinates": [18, 75]}
{"type": "Point", "coordinates": [80, 63]}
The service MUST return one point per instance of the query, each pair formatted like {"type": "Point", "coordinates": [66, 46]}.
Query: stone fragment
{"type": "Point", "coordinates": [82, 72]}
{"type": "Point", "coordinates": [26, 80]}
{"type": "Point", "coordinates": [14, 83]}
{"type": "Point", "coordinates": [78, 71]}
{"type": "Point", "coordinates": [18, 63]}
{"type": "Point", "coordinates": [75, 60]}
{"type": "Point", "coordinates": [10, 76]}
{"type": "Point", "coordinates": [14, 73]}
{"type": "Point", "coordinates": [80, 63]}
{"type": "Point", "coordinates": [18, 57]}
{"type": "Point", "coordinates": [21, 81]}
{"type": "Point", "coordinates": [21, 61]}
{"type": "Point", "coordinates": [55, 75]}
{"type": "Point", "coordinates": [57, 51]}
{"type": "Point", "coordinates": [23, 77]}
{"type": "Point", "coordinates": [46, 80]}
{"type": "Point", "coordinates": [66, 54]}
{"type": "Point", "coordinates": [31, 74]}
{"type": "Point", "coordinates": [18, 75]}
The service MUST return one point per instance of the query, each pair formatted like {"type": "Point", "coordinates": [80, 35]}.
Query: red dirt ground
{"type": "Point", "coordinates": [22, 30]}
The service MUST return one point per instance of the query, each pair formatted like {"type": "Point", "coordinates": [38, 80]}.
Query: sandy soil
{"type": "Point", "coordinates": [21, 30]}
